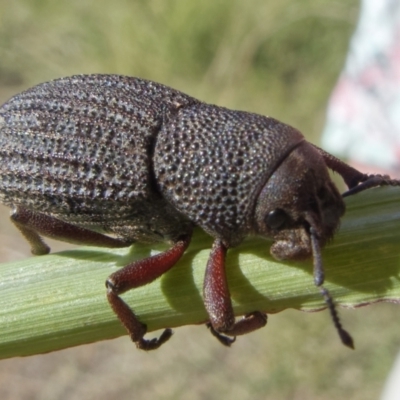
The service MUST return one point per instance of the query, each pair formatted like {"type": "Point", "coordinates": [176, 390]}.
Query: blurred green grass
{"type": "Point", "coordinates": [275, 58]}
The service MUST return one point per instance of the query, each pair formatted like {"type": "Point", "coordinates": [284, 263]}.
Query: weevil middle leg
{"type": "Point", "coordinates": [140, 273]}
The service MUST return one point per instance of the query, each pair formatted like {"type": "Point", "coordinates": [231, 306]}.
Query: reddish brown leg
{"type": "Point", "coordinates": [354, 179]}
{"type": "Point", "coordinates": [33, 224]}
{"type": "Point", "coordinates": [218, 303]}
{"type": "Point", "coordinates": [138, 274]}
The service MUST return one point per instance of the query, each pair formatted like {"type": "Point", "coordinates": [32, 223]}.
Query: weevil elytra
{"type": "Point", "coordinates": [86, 156]}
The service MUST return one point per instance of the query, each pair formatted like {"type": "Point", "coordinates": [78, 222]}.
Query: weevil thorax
{"type": "Point", "coordinates": [211, 164]}
{"type": "Point", "coordinates": [298, 195]}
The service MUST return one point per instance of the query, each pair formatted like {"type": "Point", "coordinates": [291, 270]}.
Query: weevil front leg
{"type": "Point", "coordinates": [218, 302]}
{"type": "Point", "coordinates": [137, 274]}
{"type": "Point", "coordinates": [33, 225]}
{"type": "Point", "coordinates": [355, 180]}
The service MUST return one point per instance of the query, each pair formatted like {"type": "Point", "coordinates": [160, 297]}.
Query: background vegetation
{"type": "Point", "coordinates": [276, 58]}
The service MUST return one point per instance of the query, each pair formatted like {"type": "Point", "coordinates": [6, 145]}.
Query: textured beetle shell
{"type": "Point", "coordinates": [136, 158]}
{"type": "Point", "coordinates": [80, 149]}
{"type": "Point", "coordinates": [211, 163]}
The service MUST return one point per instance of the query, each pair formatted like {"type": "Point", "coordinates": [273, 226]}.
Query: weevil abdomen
{"type": "Point", "coordinates": [81, 148]}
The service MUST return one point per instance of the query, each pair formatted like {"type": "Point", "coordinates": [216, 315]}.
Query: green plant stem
{"type": "Point", "coordinates": [56, 301]}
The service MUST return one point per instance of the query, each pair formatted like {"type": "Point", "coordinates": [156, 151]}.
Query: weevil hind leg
{"type": "Point", "coordinates": [38, 246]}
{"type": "Point", "coordinates": [218, 302]}
{"type": "Point", "coordinates": [33, 225]}
{"type": "Point", "coordinates": [137, 274]}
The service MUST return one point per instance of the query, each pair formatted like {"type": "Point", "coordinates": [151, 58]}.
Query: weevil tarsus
{"type": "Point", "coordinates": [371, 181]}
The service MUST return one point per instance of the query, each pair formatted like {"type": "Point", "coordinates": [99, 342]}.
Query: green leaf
{"type": "Point", "coordinates": [56, 301]}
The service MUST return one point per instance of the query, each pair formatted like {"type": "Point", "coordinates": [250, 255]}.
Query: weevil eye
{"type": "Point", "coordinates": [277, 219]}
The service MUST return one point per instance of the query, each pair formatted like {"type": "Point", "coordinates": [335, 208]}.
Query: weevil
{"type": "Point", "coordinates": [109, 160]}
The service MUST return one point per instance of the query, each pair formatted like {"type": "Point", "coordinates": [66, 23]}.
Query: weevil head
{"type": "Point", "coordinates": [298, 200]}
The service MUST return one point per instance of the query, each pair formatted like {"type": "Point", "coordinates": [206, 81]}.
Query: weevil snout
{"type": "Point", "coordinates": [300, 208]}
{"type": "Point", "coordinates": [298, 195]}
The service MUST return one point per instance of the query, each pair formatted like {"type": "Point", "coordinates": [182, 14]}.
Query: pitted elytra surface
{"type": "Point", "coordinates": [80, 148]}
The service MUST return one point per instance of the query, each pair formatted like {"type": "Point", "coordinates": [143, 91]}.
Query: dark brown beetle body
{"type": "Point", "coordinates": [86, 156]}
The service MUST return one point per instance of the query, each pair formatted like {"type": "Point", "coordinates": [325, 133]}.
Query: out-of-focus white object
{"type": "Point", "coordinates": [363, 119]}
{"type": "Point", "coordinates": [391, 391]}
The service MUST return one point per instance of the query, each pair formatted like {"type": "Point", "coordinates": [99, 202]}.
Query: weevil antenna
{"type": "Point", "coordinates": [345, 337]}
{"type": "Point", "coordinates": [319, 273]}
